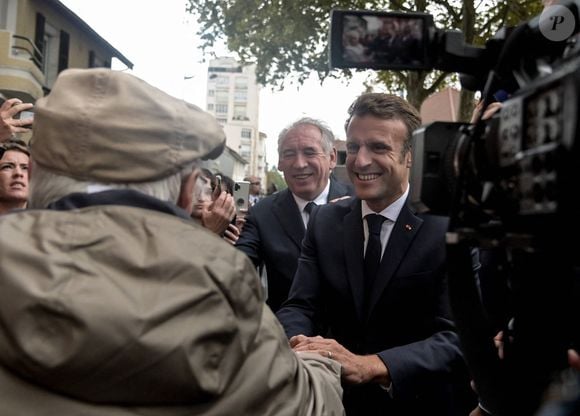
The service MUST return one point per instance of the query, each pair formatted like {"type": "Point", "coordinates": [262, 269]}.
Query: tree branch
{"type": "Point", "coordinates": [433, 87]}
{"type": "Point", "coordinates": [452, 11]}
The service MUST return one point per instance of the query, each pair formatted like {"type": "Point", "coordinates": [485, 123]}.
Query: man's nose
{"type": "Point", "coordinates": [300, 161]}
{"type": "Point", "coordinates": [363, 157]}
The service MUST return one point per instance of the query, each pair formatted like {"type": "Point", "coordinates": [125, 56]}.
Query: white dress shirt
{"type": "Point", "coordinates": [321, 199]}
{"type": "Point", "coordinates": [391, 213]}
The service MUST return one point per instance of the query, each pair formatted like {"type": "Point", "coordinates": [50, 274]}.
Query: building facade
{"type": "Point", "coordinates": [233, 98]}
{"type": "Point", "coordinates": [40, 38]}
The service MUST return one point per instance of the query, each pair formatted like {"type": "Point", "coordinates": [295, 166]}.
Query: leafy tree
{"type": "Point", "coordinates": [273, 176]}
{"type": "Point", "coordinates": [287, 39]}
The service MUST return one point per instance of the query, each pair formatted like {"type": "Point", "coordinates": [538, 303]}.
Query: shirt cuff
{"type": "Point", "coordinates": [388, 388]}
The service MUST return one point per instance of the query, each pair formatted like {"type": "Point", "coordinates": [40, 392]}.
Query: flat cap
{"type": "Point", "coordinates": [109, 126]}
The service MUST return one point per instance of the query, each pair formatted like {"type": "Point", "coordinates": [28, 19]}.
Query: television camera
{"type": "Point", "coordinates": [507, 183]}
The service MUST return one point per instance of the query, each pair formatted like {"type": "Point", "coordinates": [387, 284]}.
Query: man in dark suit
{"type": "Point", "coordinates": [275, 226]}
{"type": "Point", "coordinates": [390, 327]}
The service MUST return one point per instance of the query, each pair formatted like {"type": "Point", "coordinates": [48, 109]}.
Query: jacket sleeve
{"type": "Point", "coordinates": [323, 375]}
{"type": "Point", "coordinates": [250, 241]}
{"type": "Point", "coordinates": [299, 312]}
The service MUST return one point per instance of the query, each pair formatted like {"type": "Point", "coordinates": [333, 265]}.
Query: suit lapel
{"type": "Point", "coordinates": [404, 231]}
{"type": "Point", "coordinates": [353, 253]}
{"type": "Point", "coordinates": [286, 210]}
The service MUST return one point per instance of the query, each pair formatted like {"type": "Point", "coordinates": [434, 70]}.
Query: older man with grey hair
{"type": "Point", "coordinates": [274, 228]}
{"type": "Point", "coordinates": [112, 301]}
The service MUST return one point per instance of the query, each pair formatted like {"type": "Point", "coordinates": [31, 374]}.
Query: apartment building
{"type": "Point", "coordinates": [40, 38]}
{"type": "Point", "coordinates": [233, 97]}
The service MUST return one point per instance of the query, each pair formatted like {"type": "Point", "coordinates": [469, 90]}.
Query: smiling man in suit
{"type": "Point", "coordinates": [385, 320]}
{"type": "Point", "coordinates": [275, 226]}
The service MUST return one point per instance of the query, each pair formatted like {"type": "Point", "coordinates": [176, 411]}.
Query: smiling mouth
{"type": "Point", "coordinates": [367, 176]}
{"type": "Point", "coordinates": [302, 176]}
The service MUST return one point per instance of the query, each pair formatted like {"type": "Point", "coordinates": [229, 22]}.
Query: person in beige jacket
{"type": "Point", "coordinates": [112, 300]}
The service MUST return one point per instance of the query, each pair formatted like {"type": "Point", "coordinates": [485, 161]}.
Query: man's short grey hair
{"type": "Point", "coordinates": [47, 187]}
{"type": "Point", "coordinates": [327, 134]}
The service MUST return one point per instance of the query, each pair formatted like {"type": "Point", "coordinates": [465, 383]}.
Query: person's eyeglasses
{"type": "Point", "coordinates": [255, 183]}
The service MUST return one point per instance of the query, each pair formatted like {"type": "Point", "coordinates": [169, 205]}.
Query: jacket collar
{"type": "Point", "coordinates": [126, 197]}
{"type": "Point", "coordinates": [286, 210]}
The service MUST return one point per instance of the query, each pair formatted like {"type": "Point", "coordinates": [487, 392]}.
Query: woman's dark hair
{"type": "Point", "coordinates": [206, 173]}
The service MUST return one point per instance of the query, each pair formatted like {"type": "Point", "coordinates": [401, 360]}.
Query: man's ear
{"type": "Point", "coordinates": [409, 159]}
{"type": "Point", "coordinates": [333, 158]}
{"type": "Point", "coordinates": [185, 200]}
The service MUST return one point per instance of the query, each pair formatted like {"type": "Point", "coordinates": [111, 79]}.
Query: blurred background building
{"type": "Point", "coordinates": [40, 38]}
{"type": "Point", "coordinates": [233, 97]}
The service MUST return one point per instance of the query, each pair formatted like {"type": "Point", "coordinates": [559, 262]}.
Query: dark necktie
{"type": "Point", "coordinates": [309, 206]}
{"type": "Point", "coordinates": [373, 252]}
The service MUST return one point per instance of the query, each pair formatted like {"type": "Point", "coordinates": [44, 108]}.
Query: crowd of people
{"type": "Point", "coordinates": [129, 281]}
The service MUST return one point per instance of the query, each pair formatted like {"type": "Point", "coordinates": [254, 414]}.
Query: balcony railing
{"type": "Point", "coordinates": [25, 48]}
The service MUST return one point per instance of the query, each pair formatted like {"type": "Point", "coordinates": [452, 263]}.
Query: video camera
{"type": "Point", "coordinates": [507, 183]}
{"type": "Point", "coordinates": [509, 167]}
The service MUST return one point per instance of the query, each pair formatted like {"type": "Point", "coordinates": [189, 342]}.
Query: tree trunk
{"type": "Point", "coordinates": [466, 99]}
{"type": "Point", "coordinates": [416, 93]}
{"type": "Point", "coordinates": [466, 105]}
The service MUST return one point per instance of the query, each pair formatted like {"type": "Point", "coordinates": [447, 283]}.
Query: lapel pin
{"type": "Point", "coordinates": [408, 227]}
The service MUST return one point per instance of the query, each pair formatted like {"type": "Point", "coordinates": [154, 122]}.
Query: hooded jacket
{"type": "Point", "coordinates": [114, 307]}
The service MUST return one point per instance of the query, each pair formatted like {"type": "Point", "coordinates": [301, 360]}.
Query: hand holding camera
{"type": "Point", "coordinates": [15, 117]}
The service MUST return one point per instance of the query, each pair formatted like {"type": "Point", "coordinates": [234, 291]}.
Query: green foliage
{"type": "Point", "coordinates": [273, 176]}
{"type": "Point", "coordinates": [288, 39]}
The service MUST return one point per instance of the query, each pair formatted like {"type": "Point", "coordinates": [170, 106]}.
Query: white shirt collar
{"type": "Point", "coordinates": [392, 211]}
{"type": "Point", "coordinates": [321, 199]}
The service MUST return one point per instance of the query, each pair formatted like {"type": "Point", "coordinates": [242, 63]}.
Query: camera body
{"type": "Point", "coordinates": [510, 171]}
{"type": "Point", "coordinates": [516, 173]}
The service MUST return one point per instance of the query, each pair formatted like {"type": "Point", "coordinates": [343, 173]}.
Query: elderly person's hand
{"type": "Point", "coordinates": [10, 125]}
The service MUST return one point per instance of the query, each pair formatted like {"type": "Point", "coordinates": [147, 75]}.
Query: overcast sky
{"type": "Point", "coordinates": [159, 38]}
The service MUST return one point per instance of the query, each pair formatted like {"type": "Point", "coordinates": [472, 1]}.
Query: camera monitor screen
{"type": "Point", "coordinates": [379, 40]}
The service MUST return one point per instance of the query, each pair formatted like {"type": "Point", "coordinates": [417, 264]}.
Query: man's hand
{"type": "Point", "coordinates": [340, 198]}
{"type": "Point", "coordinates": [356, 369]}
{"type": "Point", "coordinates": [232, 234]}
{"type": "Point", "coordinates": [10, 125]}
{"type": "Point", "coordinates": [219, 213]}
{"type": "Point", "coordinates": [241, 219]}
{"type": "Point", "coordinates": [489, 111]}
